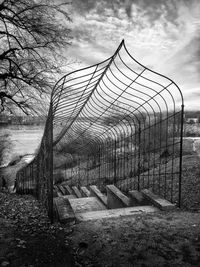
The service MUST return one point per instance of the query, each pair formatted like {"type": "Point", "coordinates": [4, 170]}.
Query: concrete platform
{"type": "Point", "coordinates": [86, 204]}
{"type": "Point", "coordinates": [114, 213]}
{"type": "Point", "coordinates": [156, 200]}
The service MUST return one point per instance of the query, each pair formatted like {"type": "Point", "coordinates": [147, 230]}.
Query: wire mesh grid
{"type": "Point", "coordinates": [115, 122]}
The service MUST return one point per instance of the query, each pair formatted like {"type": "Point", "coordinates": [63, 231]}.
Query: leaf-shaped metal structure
{"type": "Point", "coordinates": [114, 122]}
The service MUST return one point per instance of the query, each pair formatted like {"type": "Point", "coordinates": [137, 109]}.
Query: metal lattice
{"type": "Point", "coordinates": [115, 122]}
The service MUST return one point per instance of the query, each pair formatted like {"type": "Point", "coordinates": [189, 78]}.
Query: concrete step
{"type": "Point", "coordinates": [63, 210]}
{"type": "Point", "coordinates": [157, 201]}
{"type": "Point", "coordinates": [61, 189]}
{"type": "Point", "coordinates": [137, 198]}
{"type": "Point", "coordinates": [69, 196]}
{"type": "Point", "coordinates": [114, 213]}
{"type": "Point", "coordinates": [56, 189]}
{"type": "Point", "coordinates": [97, 193]}
{"type": "Point", "coordinates": [115, 198]}
{"type": "Point", "coordinates": [85, 192]}
{"type": "Point", "coordinates": [68, 190]}
{"type": "Point", "coordinates": [55, 194]}
{"type": "Point", "coordinates": [76, 191]}
{"type": "Point", "coordinates": [86, 204]}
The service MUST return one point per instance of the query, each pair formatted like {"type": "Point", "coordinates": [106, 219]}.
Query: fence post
{"type": "Point", "coordinates": [139, 145]}
{"type": "Point", "coordinates": [87, 168]}
{"type": "Point", "coordinates": [50, 147]}
{"type": "Point", "coordinates": [99, 162]}
{"type": "Point", "coordinates": [115, 163]}
{"type": "Point", "coordinates": [181, 152]}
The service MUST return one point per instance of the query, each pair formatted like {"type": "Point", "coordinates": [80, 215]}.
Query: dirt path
{"type": "Point", "coordinates": [163, 239]}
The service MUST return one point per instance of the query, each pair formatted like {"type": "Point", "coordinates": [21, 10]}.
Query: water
{"type": "Point", "coordinates": [24, 140]}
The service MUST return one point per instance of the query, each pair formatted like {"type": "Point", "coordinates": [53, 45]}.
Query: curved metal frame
{"type": "Point", "coordinates": [120, 122]}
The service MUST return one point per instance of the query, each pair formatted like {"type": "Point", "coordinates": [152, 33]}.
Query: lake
{"type": "Point", "coordinates": [24, 140]}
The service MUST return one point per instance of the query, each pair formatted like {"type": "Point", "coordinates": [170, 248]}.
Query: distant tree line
{"type": "Point", "coordinates": [22, 120]}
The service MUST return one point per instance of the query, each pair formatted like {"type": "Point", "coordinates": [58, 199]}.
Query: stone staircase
{"type": "Point", "coordinates": [73, 204]}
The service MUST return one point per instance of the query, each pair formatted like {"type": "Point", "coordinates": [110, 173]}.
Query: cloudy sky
{"type": "Point", "coordinates": [163, 35]}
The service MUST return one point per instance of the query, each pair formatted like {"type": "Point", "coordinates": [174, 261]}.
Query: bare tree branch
{"type": "Point", "coordinates": [32, 40]}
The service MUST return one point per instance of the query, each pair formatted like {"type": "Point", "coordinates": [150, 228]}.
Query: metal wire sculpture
{"type": "Point", "coordinates": [114, 122]}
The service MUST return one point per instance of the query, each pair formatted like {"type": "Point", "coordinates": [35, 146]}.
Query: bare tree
{"type": "Point", "coordinates": [33, 37]}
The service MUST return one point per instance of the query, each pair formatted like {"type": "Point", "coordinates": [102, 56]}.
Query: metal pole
{"type": "Point", "coordinates": [139, 143]}
{"type": "Point", "coordinates": [51, 164]}
{"type": "Point", "coordinates": [181, 154]}
{"type": "Point", "coordinates": [115, 163]}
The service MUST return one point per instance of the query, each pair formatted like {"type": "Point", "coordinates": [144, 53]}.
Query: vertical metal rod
{"type": "Point", "coordinates": [154, 152]}
{"type": "Point", "coordinates": [115, 162]}
{"type": "Point", "coordinates": [124, 158]}
{"type": "Point", "coordinates": [160, 152]}
{"type": "Point", "coordinates": [78, 166]}
{"type": "Point", "coordinates": [139, 143]}
{"type": "Point", "coordinates": [135, 159]}
{"type": "Point", "coordinates": [51, 164]}
{"type": "Point", "coordinates": [131, 161]}
{"type": "Point", "coordinates": [38, 177]}
{"type": "Point", "coordinates": [65, 171]}
{"type": "Point", "coordinates": [87, 169]}
{"type": "Point", "coordinates": [181, 154]}
{"type": "Point", "coordinates": [174, 134]}
{"type": "Point", "coordinates": [99, 162]}
{"type": "Point", "coordinates": [149, 153]}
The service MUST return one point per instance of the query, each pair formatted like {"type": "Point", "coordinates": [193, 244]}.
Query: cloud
{"type": "Point", "coordinates": [163, 35]}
